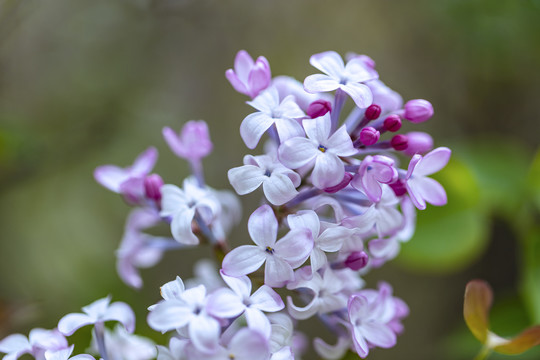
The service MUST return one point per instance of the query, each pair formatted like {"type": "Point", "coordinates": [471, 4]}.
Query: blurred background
{"type": "Point", "coordinates": [91, 82]}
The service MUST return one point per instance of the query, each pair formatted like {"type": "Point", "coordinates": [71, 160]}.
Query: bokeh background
{"type": "Point", "coordinates": [90, 82]}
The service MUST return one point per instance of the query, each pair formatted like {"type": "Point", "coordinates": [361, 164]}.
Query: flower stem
{"type": "Point", "coordinates": [99, 331]}
{"type": "Point", "coordinates": [339, 101]}
{"type": "Point", "coordinates": [483, 354]}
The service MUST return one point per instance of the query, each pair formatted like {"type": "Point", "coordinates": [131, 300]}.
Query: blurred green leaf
{"type": "Point", "coordinates": [533, 179]}
{"type": "Point", "coordinates": [449, 237]}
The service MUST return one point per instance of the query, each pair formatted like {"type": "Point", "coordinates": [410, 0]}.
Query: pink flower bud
{"type": "Point", "coordinates": [398, 187]}
{"type": "Point", "coordinates": [357, 260]}
{"type": "Point", "coordinates": [369, 135]}
{"type": "Point", "coordinates": [318, 108]}
{"type": "Point", "coordinates": [372, 112]}
{"type": "Point", "coordinates": [248, 77]}
{"type": "Point", "coordinates": [418, 110]}
{"type": "Point", "coordinates": [419, 143]}
{"type": "Point", "coordinates": [193, 143]}
{"type": "Point", "coordinates": [392, 123]}
{"type": "Point", "coordinates": [152, 187]}
{"type": "Point", "coordinates": [399, 142]}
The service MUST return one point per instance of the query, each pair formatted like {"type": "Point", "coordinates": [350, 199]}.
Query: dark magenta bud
{"type": "Point", "coordinates": [398, 187]}
{"type": "Point", "coordinates": [152, 187]}
{"type": "Point", "coordinates": [346, 180]}
{"type": "Point", "coordinates": [369, 135]}
{"type": "Point", "coordinates": [373, 112]}
{"type": "Point", "coordinates": [392, 123]}
{"type": "Point", "coordinates": [318, 108]}
{"type": "Point", "coordinates": [357, 260]}
{"type": "Point", "coordinates": [399, 142]}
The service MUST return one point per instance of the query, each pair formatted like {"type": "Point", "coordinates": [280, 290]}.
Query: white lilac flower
{"type": "Point", "coordinates": [98, 312]}
{"type": "Point", "coordinates": [246, 344]}
{"type": "Point", "coordinates": [182, 205]}
{"type": "Point", "coordinates": [64, 354]}
{"type": "Point", "coordinates": [186, 308]}
{"type": "Point", "coordinates": [240, 300]}
{"type": "Point", "coordinates": [122, 345]}
{"type": "Point", "coordinates": [205, 273]}
{"type": "Point", "coordinates": [329, 238]}
{"type": "Point", "coordinates": [38, 341]}
{"type": "Point", "coordinates": [383, 216]}
{"type": "Point", "coordinates": [175, 351]}
{"type": "Point", "coordinates": [128, 181]}
{"type": "Point", "coordinates": [271, 111]}
{"type": "Point", "coordinates": [321, 150]}
{"type": "Point", "coordinates": [279, 183]}
{"type": "Point", "coordinates": [326, 291]}
{"type": "Point", "coordinates": [281, 256]}
{"type": "Point", "coordinates": [349, 78]}
{"type": "Point", "coordinates": [421, 188]}
{"type": "Point", "coordinates": [374, 171]}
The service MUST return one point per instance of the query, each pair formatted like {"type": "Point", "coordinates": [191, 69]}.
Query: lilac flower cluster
{"type": "Point", "coordinates": [337, 204]}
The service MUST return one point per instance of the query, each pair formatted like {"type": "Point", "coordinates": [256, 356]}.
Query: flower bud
{"type": "Point", "coordinates": [372, 112]}
{"type": "Point", "coordinates": [249, 77]}
{"type": "Point", "coordinates": [399, 142]}
{"type": "Point", "coordinates": [398, 187]}
{"type": "Point", "coordinates": [318, 108]}
{"type": "Point", "coordinates": [369, 136]}
{"type": "Point", "coordinates": [152, 187]}
{"type": "Point", "coordinates": [419, 143]}
{"type": "Point", "coordinates": [392, 123]}
{"type": "Point", "coordinates": [193, 143]}
{"type": "Point", "coordinates": [357, 260]}
{"type": "Point", "coordinates": [418, 110]}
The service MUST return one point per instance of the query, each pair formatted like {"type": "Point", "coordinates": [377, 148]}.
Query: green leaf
{"type": "Point", "coordinates": [450, 237]}
{"type": "Point", "coordinates": [533, 180]}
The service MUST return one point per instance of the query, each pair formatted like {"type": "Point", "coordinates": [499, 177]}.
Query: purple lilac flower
{"type": "Point", "coordinates": [249, 77]}
{"type": "Point", "coordinates": [64, 354]}
{"type": "Point", "coordinates": [128, 181]}
{"type": "Point", "coordinates": [418, 110]}
{"type": "Point", "coordinates": [421, 188]}
{"type": "Point", "coordinates": [349, 78]}
{"type": "Point", "coordinates": [281, 256]}
{"type": "Point", "coordinates": [321, 149]}
{"type": "Point", "coordinates": [121, 345]}
{"type": "Point", "coordinates": [374, 171]}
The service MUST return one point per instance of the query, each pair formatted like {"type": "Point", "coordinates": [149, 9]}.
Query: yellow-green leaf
{"type": "Point", "coordinates": [478, 299]}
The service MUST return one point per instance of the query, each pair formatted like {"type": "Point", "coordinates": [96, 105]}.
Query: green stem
{"type": "Point", "coordinates": [483, 353]}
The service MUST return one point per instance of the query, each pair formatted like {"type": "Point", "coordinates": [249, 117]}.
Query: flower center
{"type": "Point", "coordinates": [322, 148]}
{"type": "Point", "coordinates": [267, 173]}
{"type": "Point", "coordinates": [269, 250]}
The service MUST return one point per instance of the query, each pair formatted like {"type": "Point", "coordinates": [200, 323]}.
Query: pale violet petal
{"type": "Point", "coordinates": [243, 260]}
{"type": "Point", "coordinates": [279, 189]}
{"type": "Point", "coordinates": [246, 179]}
{"type": "Point", "coordinates": [288, 128]}
{"type": "Point", "coordinates": [72, 322]}
{"type": "Point", "coordinates": [204, 333]}
{"type": "Point", "coordinates": [173, 200]}
{"type": "Point", "coordinates": [169, 315]}
{"type": "Point", "coordinates": [249, 345]}
{"type": "Point", "coordinates": [121, 312]}
{"type": "Point", "coordinates": [328, 171]}
{"type": "Point", "coordinates": [241, 285]}
{"type": "Point", "coordinates": [431, 191]}
{"type": "Point", "coordinates": [302, 313]}
{"type": "Point", "coordinates": [305, 219]}
{"type": "Point", "coordinates": [263, 226]}
{"type": "Point", "coordinates": [253, 127]}
{"type": "Point", "coordinates": [320, 83]}
{"type": "Point", "coordinates": [297, 152]}
{"type": "Point", "coordinates": [225, 303]}
{"type": "Point", "coordinates": [257, 321]}
{"type": "Point", "coordinates": [144, 163]}
{"type": "Point", "coordinates": [277, 272]}
{"type": "Point", "coordinates": [295, 247]}
{"type": "Point", "coordinates": [360, 93]}
{"type": "Point", "coordinates": [329, 62]}
{"type": "Point", "coordinates": [340, 143]}
{"type": "Point", "coordinates": [266, 299]}
{"type": "Point", "coordinates": [433, 161]}
{"type": "Point", "coordinates": [181, 228]}
{"type": "Point", "coordinates": [111, 176]}
{"type": "Point", "coordinates": [318, 129]}
{"type": "Point", "coordinates": [378, 334]}
{"type": "Point", "coordinates": [173, 289]}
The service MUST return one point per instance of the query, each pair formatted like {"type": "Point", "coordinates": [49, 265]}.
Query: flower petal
{"type": "Point", "coordinates": [266, 299]}
{"type": "Point", "coordinates": [225, 303]}
{"type": "Point", "coordinates": [379, 334]}
{"type": "Point", "coordinates": [263, 226]}
{"type": "Point", "coordinates": [295, 247]}
{"type": "Point", "coordinates": [360, 93]}
{"type": "Point", "coordinates": [329, 62]}
{"type": "Point", "coordinates": [257, 321]}
{"type": "Point", "coordinates": [297, 152]}
{"type": "Point", "coordinates": [246, 179]}
{"type": "Point", "coordinates": [253, 127]}
{"type": "Point", "coordinates": [328, 171]}
{"type": "Point", "coordinates": [433, 161]}
{"type": "Point", "coordinates": [144, 163]}
{"type": "Point", "coordinates": [204, 333]}
{"type": "Point", "coordinates": [181, 227]}
{"type": "Point", "coordinates": [169, 315]}
{"type": "Point", "coordinates": [111, 177]}
{"type": "Point", "coordinates": [72, 322]}
{"type": "Point", "coordinates": [277, 272]}
{"type": "Point", "coordinates": [523, 342]}
{"type": "Point", "coordinates": [279, 189]}
{"type": "Point", "coordinates": [249, 345]}
{"type": "Point", "coordinates": [320, 83]}
{"type": "Point", "coordinates": [243, 260]}
{"type": "Point", "coordinates": [121, 312]}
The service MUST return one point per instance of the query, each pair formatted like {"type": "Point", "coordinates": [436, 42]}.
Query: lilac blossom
{"type": "Point", "coordinates": [326, 290]}
{"type": "Point", "coordinates": [137, 249]}
{"type": "Point", "coordinates": [372, 315]}
{"type": "Point", "coordinates": [98, 312]}
{"type": "Point", "coordinates": [128, 181]}
{"type": "Point", "coordinates": [193, 143]}
{"type": "Point", "coordinates": [175, 351]}
{"type": "Point", "coordinates": [182, 205]}
{"type": "Point", "coordinates": [249, 77]}
{"type": "Point", "coordinates": [321, 149]}
{"type": "Point", "coordinates": [374, 171]}
{"type": "Point", "coordinates": [279, 183]}
{"type": "Point", "coordinates": [187, 308]}
{"type": "Point", "coordinates": [283, 114]}
{"type": "Point", "coordinates": [281, 257]}
{"type": "Point", "coordinates": [421, 188]}
{"type": "Point", "coordinates": [326, 238]}
{"type": "Point", "coordinates": [349, 78]}
{"type": "Point", "coordinates": [121, 345]}
{"type": "Point", "coordinates": [38, 341]}
{"type": "Point", "coordinates": [64, 354]}
{"type": "Point", "coordinates": [286, 86]}
{"type": "Point", "coordinates": [418, 110]}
